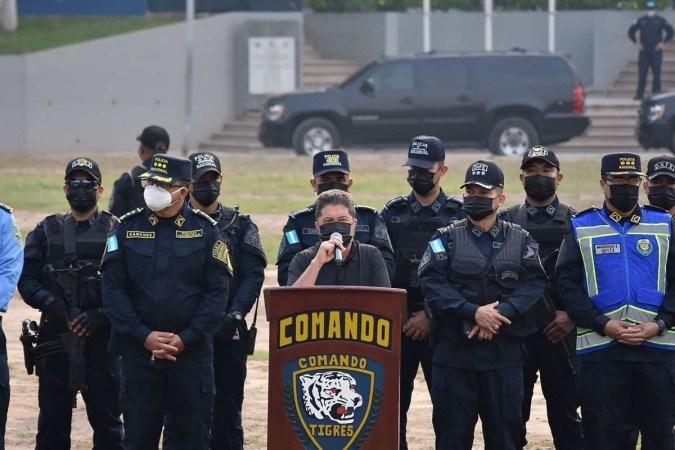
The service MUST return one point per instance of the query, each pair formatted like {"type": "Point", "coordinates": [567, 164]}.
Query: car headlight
{"type": "Point", "coordinates": [656, 112]}
{"type": "Point", "coordinates": [274, 112]}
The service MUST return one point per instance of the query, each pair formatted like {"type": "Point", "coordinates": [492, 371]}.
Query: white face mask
{"type": "Point", "coordinates": [651, 13]}
{"type": "Point", "coordinates": [158, 198]}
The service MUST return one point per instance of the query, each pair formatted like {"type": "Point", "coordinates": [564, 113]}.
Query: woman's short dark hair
{"type": "Point", "coordinates": [334, 197]}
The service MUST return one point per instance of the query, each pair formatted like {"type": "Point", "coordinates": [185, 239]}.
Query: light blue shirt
{"type": "Point", "coordinates": [11, 257]}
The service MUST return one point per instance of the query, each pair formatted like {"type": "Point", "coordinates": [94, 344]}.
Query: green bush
{"type": "Point", "coordinates": [473, 5]}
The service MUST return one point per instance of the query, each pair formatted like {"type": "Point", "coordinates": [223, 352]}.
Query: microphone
{"type": "Point", "coordinates": [338, 251]}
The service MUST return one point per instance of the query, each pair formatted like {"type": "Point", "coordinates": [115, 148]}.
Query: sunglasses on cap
{"type": "Point", "coordinates": [86, 184]}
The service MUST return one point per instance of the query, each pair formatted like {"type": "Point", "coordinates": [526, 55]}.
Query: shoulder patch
{"type": "Point", "coordinates": [203, 215]}
{"type": "Point", "coordinates": [366, 209]}
{"type": "Point", "coordinates": [531, 251]}
{"type": "Point", "coordinates": [300, 212]}
{"type": "Point", "coordinates": [131, 214]}
{"type": "Point", "coordinates": [437, 246]}
{"type": "Point", "coordinates": [584, 211]}
{"type": "Point", "coordinates": [6, 208]}
{"type": "Point", "coordinates": [397, 203]}
{"type": "Point", "coordinates": [221, 253]}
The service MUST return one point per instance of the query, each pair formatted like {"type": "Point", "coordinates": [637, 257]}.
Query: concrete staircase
{"type": "Point", "coordinates": [317, 73]}
{"type": "Point", "coordinates": [624, 86]}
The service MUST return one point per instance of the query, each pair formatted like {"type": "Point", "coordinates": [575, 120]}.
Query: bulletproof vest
{"type": "Point", "coordinates": [482, 280]}
{"type": "Point", "coordinates": [228, 225]}
{"type": "Point", "coordinates": [136, 199]}
{"type": "Point", "coordinates": [412, 240]}
{"type": "Point", "coordinates": [548, 234]}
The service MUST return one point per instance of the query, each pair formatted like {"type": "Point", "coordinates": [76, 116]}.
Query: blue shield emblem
{"type": "Point", "coordinates": [333, 401]}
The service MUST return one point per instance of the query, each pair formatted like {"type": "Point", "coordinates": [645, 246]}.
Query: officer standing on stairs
{"type": "Point", "coordinates": [550, 350]}
{"type": "Point", "coordinates": [651, 43]}
{"type": "Point", "coordinates": [411, 220]}
{"type": "Point", "coordinates": [331, 171]}
{"type": "Point", "coordinates": [248, 262]}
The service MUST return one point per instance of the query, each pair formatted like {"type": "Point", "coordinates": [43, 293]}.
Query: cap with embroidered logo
{"type": "Point", "coordinates": [661, 165]}
{"type": "Point", "coordinates": [540, 152]}
{"type": "Point", "coordinates": [621, 164]}
{"type": "Point", "coordinates": [485, 174]}
{"type": "Point", "coordinates": [330, 161]}
{"type": "Point", "coordinates": [85, 165]}
{"type": "Point", "coordinates": [168, 168]}
{"type": "Point", "coordinates": [424, 151]}
{"type": "Point", "coordinates": [204, 162]}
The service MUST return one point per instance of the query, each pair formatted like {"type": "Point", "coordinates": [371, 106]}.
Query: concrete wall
{"type": "Point", "coordinates": [595, 41]}
{"type": "Point", "coordinates": [97, 96]}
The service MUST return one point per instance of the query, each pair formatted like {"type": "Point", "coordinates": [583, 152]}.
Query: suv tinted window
{"type": "Point", "coordinates": [444, 74]}
{"type": "Point", "coordinates": [396, 76]}
{"type": "Point", "coordinates": [515, 69]}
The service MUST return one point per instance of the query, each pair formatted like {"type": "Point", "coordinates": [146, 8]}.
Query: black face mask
{"type": "Point", "coordinates": [539, 187]}
{"type": "Point", "coordinates": [662, 196]}
{"type": "Point", "coordinates": [421, 181]}
{"type": "Point", "coordinates": [81, 200]}
{"type": "Point", "coordinates": [343, 228]}
{"type": "Point", "coordinates": [624, 197]}
{"type": "Point", "coordinates": [206, 192]}
{"type": "Point", "coordinates": [477, 207]}
{"type": "Point", "coordinates": [323, 187]}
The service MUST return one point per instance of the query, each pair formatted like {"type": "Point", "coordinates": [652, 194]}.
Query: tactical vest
{"type": "Point", "coordinates": [411, 242]}
{"type": "Point", "coordinates": [624, 271]}
{"type": "Point", "coordinates": [484, 281]}
{"type": "Point", "coordinates": [66, 250]}
{"type": "Point", "coordinates": [549, 234]}
{"type": "Point", "coordinates": [136, 199]}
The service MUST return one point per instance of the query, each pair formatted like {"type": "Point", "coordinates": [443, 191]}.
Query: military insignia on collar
{"type": "Point", "coordinates": [550, 210]}
{"type": "Point", "coordinates": [436, 206]}
{"type": "Point", "coordinates": [635, 219]}
{"type": "Point", "coordinates": [531, 210]}
{"type": "Point", "coordinates": [415, 206]}
{"type": "Point", "coordinates": [477, 231]}
{"type": "Point", "coordinates": [616, 217]}
{"type": "Point", "coordinates": [644, 247]}
{"type": "Point", "coordinates": [494, 231]}
{"type": "Point", "coordinates": [180, 220]}
{"type": "Point", "coordinates": [153, 219]}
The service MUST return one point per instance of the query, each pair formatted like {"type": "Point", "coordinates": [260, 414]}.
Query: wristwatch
{"type": "Point", "coordinates": [236, 315]}
{"type": "Point", "coordinates": [662, 326]}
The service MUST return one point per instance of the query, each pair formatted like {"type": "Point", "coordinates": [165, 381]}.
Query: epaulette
{"type": "Point", "coordinates": [5, 207]}
{"type": "Point", "coordinates": [397, 203]}
{"type": "Point", "coordinates": [299, 212]}
{"type": "Point", "coordinates": [367, 209]}
{"type": "Point", "coordinates": [655, 208]}
{"type": "Point", "coordinates": [584, 211]}
{"type": "Point", "coordinates": [205, 216]}
{"type": "Point", "coordinates": [131, 213]}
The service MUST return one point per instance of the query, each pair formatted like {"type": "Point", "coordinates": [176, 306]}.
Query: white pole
{"type": "Point", "coordinates": [189, 22]}
{"type": "Point", "coordinates": [426, 25]}
{"type": "Point", "coordinates": [551, 25]}
{"type": "Point", "coordinates": [488, 25]}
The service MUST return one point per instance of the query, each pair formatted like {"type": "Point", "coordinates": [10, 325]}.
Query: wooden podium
{"type": "Point", "coordinates": [335, 356]}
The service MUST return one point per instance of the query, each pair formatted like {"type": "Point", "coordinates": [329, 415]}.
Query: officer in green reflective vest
{"type": "Point", "coordinates": [616, 277]}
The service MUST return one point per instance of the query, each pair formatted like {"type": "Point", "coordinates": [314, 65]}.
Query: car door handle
{"type": "Point", "coordinates": [407, 101]}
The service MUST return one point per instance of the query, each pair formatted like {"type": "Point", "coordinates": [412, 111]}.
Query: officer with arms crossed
{"type": "Point", "coordinates": [60, 278]}
{"type": "Point", "coordinates": [616, 277]}
{"type": "Point", "coordinates": [249, 261]}
{"type": "Point", "coordinates": [11, 261]}
{"type": "Point", "coordinates": [660, 185]}
{"type": "Point", "coordinates": [480, 276]}
{"type": "Point", "coordinates": [331, 171]}
{"type": "Point", "coordinates": [547, 220]}
{"type": "Point", "coordinates": [166, 276]}
{"type": "Point", "coordinates": [411, 221]}
{"type": "Point", "coordinates": [338, 258]}
{"type": "Point", "coordinates": [127, 193]}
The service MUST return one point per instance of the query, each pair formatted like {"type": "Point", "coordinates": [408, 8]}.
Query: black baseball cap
{"type": "Point", "coordinates": [155, 138]}
{"type": "Point", "coordinates": [424, 151]}
{"type": "Point", "coordinates": [167, 169]}
{"type": "Point", "coordinates": [621, 164]}
{"type": "Point", "coordinates": [542, 153]}
{"type": "Point", "coordinates": [485, 174]}
{"type": "Point", "coordinates": [204, 162]}
{"type": "Point", "coordinates": [661, 165]}
{"type": "Point", "coordinates": [85, 165]}
{"type": "Point", "coordinates": [330, 161]}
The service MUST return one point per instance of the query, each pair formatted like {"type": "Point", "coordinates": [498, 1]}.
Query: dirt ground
{"type": "Point", "coordinates": [23, 410]}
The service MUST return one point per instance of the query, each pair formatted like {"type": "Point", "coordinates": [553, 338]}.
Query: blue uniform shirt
{"type": "Point", "coordinates": [11, 256]}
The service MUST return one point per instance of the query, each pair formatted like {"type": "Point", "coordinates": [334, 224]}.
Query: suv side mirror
{"type": "Point", "coordinates": [367, 87]}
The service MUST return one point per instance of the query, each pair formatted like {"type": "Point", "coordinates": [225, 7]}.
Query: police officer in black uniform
{"type": "Point", "coordinates": [660, 185]}
{"type": "Point", "coordinates": [166, 276]}
{"type": "Point", "coordinates": [249, 261]}
{"type": "Point", "coordinates": [652, 29]}
{"type": "Point", "coordinates": [60, 278]}
{"type": "Point", "coordinates": [480, 277]}
{"type": "Point", "coordinates": [331, 171]}
{"type": "Point", "coordinates": [411, 220]}
{"type": "Point", "coordinates": [127, 193]}
{"type": "Point", "coordinates": [550, 350]}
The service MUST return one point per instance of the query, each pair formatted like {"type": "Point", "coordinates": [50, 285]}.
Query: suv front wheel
{"type": "Point", "coordinates": [314, 135]}
{"type": "Point", "coordinates": [512, 136]}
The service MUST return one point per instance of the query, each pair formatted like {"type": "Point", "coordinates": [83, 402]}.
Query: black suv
{"type": "Point", "coordinates": [656, 122]}
{"type": "Point", "coordinates": [507, 102]}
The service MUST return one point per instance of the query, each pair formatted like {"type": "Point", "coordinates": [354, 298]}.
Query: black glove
{"type": "Point", "coordinates": [55, 310]}
{"type": "Point", "coordinates": [89, 322]}
{"type": "Point", "coordinates": [230, 324]}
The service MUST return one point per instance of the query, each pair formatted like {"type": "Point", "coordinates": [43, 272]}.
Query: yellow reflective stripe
{"type": "Point", "coordinates": [587, 338]}
{"type": "Point", "coordinates": [663, 243]}
{"type": "Point", "coordinates": [667, 339]}
{"type": "Point", "coordinates": [586, 249]}
{"type": "Point", "coordinates": [594, 231]}
{"type": "Point", "coordinates": [654, 228]}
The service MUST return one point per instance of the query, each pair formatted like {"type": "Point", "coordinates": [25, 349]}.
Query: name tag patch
{"type": "Point", "coordinates": [140, 234]}
{"type": "Point", "coordinates": [189, 234]}
{"type": "Point", "coordinates": [605, 249]}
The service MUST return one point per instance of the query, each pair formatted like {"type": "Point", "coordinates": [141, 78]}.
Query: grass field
{"type": "Point", "coordinates": [42, 33]}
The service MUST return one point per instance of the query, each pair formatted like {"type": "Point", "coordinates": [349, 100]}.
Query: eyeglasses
{"type": "Point", "coordinates": [633, 181]}
{"type": "Point", "coordinates": [149, 182]}
{"type": "Point", "coordinates": [77, 184]}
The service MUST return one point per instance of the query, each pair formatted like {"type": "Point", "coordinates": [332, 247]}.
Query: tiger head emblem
{"type": "Point", "coordinates": [331, 395]}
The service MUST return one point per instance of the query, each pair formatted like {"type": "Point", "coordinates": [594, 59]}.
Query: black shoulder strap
{"type": "Point", "coordinates": [230, 215]}
{"type": "Point", "coordinates": [69, 239]}
{"type": "Point", "coordinates": [561, 213]}
{"type": "Point", "coordinates": [518, 214]}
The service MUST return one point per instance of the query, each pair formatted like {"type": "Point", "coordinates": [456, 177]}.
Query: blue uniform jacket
{"type": "Point", "coordinates": [11, 256]}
